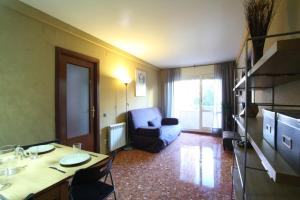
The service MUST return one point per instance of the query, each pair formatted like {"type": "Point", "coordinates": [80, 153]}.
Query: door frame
{"type": "Point", "coordinates": [60, 89]}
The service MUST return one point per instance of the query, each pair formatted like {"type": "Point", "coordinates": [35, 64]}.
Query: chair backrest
{"type": "Point", "coordinates": [140, 117]}
{"type": "Point", "coordinates": [30, 197]}
{"type": "Point", "coordinates": [93, 174]}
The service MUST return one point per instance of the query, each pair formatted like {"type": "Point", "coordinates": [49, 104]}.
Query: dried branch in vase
{"type": "Point", "coordinates": [259, 14]}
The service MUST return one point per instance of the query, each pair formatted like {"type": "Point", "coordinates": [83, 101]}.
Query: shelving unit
{"type": "Point", "coordinates": [276, 67]}
{"type": "Point", "coordinates": [276, 166]}
{"type": "Point", "coordinates": [260, 172]}
{"type": "Point", "coordinates": [258, 185]}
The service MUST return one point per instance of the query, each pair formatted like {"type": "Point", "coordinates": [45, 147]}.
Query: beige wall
{"type": "Point", "coordinates": [287, 19]}
{"type": "Point", "coordinates": [27, 75]}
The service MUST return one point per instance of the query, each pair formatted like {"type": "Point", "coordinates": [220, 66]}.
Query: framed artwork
{"type": "Point", "coordinates": [140, 83]}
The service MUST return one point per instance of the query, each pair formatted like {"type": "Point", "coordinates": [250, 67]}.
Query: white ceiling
{"type": "Point", "coordinates": [165, 33]}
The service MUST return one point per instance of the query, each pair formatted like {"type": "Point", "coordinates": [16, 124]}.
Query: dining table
{"type": "Point", "coordinates": [44, 176]}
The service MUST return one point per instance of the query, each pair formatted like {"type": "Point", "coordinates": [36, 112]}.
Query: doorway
{"type": "Point", "coordinates": [77, 99]}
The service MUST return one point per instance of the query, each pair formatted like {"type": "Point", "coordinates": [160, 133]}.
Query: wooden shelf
{"type": "Point", "coordinates": [277, 168]}
{"type": "Point", "coordinates": [257, 82]}
{"type": "Point", "coordinates": [259, 186]}
{"type": "Point", "coordinates": [282, 58]}
{"type": "Point", "coordinates": [271, 81]}
{"type": "Point", "coordinates": [279, 65]}
{"type": "Point", "coordinates": [240, 84]}
{"type": "Point", "coordinates": [253, 161]}
{"type": "Point", "coordinates": [238, 189]}
{"type": "Point", "coordinates": [242, 134]}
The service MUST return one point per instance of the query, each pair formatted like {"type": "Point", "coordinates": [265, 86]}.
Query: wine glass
{"type": "Point", "coordinates": [4, 184]}
{"type": "Point", "coordinates": [7, 163]}
{"type": "Point", "coordinates": [77, 147]}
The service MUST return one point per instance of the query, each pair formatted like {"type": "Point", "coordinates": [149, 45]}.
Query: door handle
{"type": "Point", "coordinates": [93, 111]}
{"type": "Point", "coordinates": [287, 141]}
{"type": "Point", "coordinates": [269, 128]}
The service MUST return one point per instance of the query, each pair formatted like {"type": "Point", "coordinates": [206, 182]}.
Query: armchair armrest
{"type": "Point", "coordinates": [169, 121]}
{"type": "Point", "coordinates": [148, 131]}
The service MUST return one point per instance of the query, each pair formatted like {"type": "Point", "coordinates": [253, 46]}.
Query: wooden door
{"type": "Point", "coordinates": [77, 99]}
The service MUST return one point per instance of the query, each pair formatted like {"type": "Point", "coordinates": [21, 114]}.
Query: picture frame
{"type": "Point", "coordinates": [140, 83]}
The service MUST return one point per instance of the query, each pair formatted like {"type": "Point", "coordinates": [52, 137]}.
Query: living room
{"type": "Point", "coordinates": [167, 77]}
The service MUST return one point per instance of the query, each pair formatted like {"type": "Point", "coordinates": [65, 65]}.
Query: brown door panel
{"type": "Point", "coordinates": [77, 99]}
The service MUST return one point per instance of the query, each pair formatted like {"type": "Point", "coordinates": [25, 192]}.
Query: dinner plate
{"type": "Point", "coordinates": [74, 159]}
{"type": "Point", "coordinates": [41, 148]}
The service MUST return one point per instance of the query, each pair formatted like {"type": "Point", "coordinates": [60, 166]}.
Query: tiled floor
{"type": "Point", "coordinates": [192, 167]}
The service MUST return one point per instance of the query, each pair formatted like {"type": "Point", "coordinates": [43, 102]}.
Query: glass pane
{"type": "Point", "coordinates": [186, 103]}
{"type": "Point", "coordinates": [207, 102]}
{"type": "Point", "coordinates": [211, 103]}
{"type": "Point", "coordinates": [198, 103]}
{"type": "Point", "coordinates": [77, 101]}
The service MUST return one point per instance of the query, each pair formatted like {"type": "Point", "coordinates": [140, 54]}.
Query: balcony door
{"type": "Point", "coordinates": [210, 104]}
{"type": "Point", "coordinates": [197, 103]}
{"type": "Point", "coordinates": [77, 99]}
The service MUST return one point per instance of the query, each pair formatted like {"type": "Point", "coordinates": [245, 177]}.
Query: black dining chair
{"type": "Point", "coordinates": [89, 184]}
{"type": "Point", "coordinates": [30, 197]}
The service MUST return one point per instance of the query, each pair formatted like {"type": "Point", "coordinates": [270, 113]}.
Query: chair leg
{"type": "Point", "coordinates": [115, 196]}
{"type": "Point", "coordinates": [112, 182]}
{"type": "Point", "coordinates": [105, 178]}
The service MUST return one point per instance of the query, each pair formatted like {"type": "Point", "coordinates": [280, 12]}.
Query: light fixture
{"type": "Point", "coordinates": [126, 80]}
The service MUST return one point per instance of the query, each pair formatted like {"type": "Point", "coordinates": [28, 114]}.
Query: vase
{"type": "Point", "coordinates": [258, 50]}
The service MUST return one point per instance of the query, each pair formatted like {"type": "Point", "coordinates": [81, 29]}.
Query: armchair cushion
{"type": "Point", "coordinates": [149, 131]}
{"type": "Point", "coordinates": [169, 121]}
{"type": "Point", "coordinates": [154, 123]}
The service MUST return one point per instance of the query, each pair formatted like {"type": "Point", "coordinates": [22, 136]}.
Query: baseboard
{"type": "Point", "coordinates": [201, 133]}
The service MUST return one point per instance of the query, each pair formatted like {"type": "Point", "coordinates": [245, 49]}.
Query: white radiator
{"type": "Point", "coordinates": [116, 136]}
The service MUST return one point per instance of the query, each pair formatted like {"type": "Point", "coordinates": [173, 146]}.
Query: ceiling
{"type": "Point", "coordinates": [165, 33]}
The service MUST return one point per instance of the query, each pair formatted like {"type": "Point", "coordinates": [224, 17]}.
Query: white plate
{"type": "Point", "coordinates": [74, 159]}
{"type": "Point", "coordinates": [41, 148]}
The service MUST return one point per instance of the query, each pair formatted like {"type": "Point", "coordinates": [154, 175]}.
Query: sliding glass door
{"type": "Point", "coordinates": [186, 103]}
{"type": "Point", "coordinates": [197, 103]}
{"type": "Point", "coordinates": [211, 104]}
